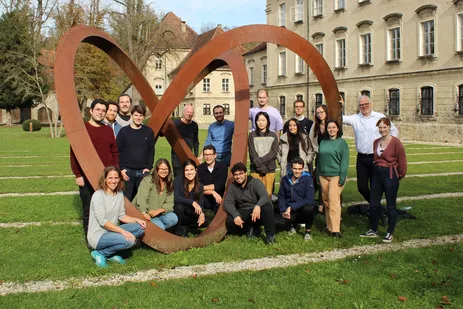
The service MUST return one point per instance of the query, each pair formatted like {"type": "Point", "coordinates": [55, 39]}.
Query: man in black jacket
{"type": "Point", "coordinates": [247, 204]}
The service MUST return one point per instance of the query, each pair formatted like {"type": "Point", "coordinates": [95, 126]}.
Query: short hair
{"type": "Point", "coordinates": [209, 147]}
{"type": "Point", "coordinates": [299, 101]}
{"type": "Point", "coordinates": [141, 109]}
{"type": "Point", "coordinates": [218, 106]}
{"type": "Point", "coordinates": [102, 182]}
{"type": "Point", "coordinates": [238, 167]}
{"type": "Point", "coordinates": [364, 96]}
{"type": "Point", "coordinates": [113, 103]}
{"type": "Point", "coordinates": [339, 134]}
{"type": "Point", "coordinates": [384, 120]}
{"type": "Point", "coordinates": [98, 101]}
{"type": "Point", "coordinates": [124, 95]}
{"type": "Point", "coordinates": [262, 89]}
{"type": "Point", "coordinates": [297, 160]}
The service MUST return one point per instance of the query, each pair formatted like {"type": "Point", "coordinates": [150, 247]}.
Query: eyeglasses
{"type": "Point", "coordinates": [100, 110]}
{"type": "Point", "coordinates": [364, 105]}
{"type": "Point", "coordinates": [298, 106]}
{"type": "Point", "coordinates": [218, 113]}
{"type": "Point", "coordinates": [320, 113]}
{"type": "Point", "coordinates": [238, 174]}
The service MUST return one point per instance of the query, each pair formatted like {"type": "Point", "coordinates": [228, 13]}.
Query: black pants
{"type": "Point", "coordinates": [210, 203]}
{"type": "Point", "coordinates": [86, 193]}
{"type": "Point", "coordinates": [380, 183]}
{"type": "Point", "coordinates": [364, 174]}
{"type": "Point", "coordinates": [305, 215]}
{"type": "Point", "coordinates": [186, 216]}
{"type": "Point", "coordinates": [131, 186]}
{"type": "Point", "coordinates": [177, 166]}
{"type": "Point", "coordinates": [267, 218]}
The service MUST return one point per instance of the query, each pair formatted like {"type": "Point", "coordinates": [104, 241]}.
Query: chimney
{"type": "Point", "coordinates": [219, 25]}
{"type": "Point", "coordinates": [183, 25]}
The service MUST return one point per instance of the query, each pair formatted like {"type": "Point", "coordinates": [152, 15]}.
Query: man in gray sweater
{"type": "Point", "coordinates": [248, 205]}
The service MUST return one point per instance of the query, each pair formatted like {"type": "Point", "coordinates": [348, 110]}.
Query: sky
{"type": "Point", "coordinates": [229, 13]}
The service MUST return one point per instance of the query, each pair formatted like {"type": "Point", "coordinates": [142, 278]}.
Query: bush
{"type": "Point", "coordinates": [36, 125]}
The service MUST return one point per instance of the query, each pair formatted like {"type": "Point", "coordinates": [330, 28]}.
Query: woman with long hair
{"type": "Point", "coordinates": [294, 144]}
{"type": "Point", "coordinates": [390, 166]}
{"type": "Point", "coordinates": [263, 149]}
{"type": "Point", "coordinates": [188, 199]}
{"type": "Point", "coordinates": [317, 132]}
{"type": "Point", "coordinates": [155, 197]}
{"type": "Point", "coordinates": [333, 162]}
{"type": "Point", "coordinates": [106, 210]}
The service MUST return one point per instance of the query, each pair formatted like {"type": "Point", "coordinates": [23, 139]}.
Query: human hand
{"type": "Point", "coordinates": [255, 213]}
{"type": "Point", "coordinates": [129, 236]}
{"type": "Point", "coordinates": [142, 223]}
{"type": "Point", "coordinates": [218, 198]}
{"type": "Point", "coordinates": [146, 216]}
{"type": "Point", "coordinates": [287, 213]}
{"type": "Point", "coordinates": [198, 209]}
{"type": "Point", "coordinates": [201, 219]}
{"type": "Point", "coordinates": [145, 170]}
{"type": "Point", "coordinates": [156, 212]}
{"type": "Point", "coordinates": [238, 221]}
{"type": "Point", "coordinates": [80, 181]}
{"type": "Point", "coordinates": [124, 175]}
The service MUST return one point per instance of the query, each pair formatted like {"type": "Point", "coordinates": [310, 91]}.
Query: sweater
{"type": "Point", "coordinates": [253, 193]}
{"type": "Point", "coordinates": [263, 151]}
{"type": "Point", "coordinates": [283, 150]}
{"type": "Point", "coordinates": [103, 140]}
{"type": "Point", "coordinates": [393, 157]}
{"type": "Point", "coordinates": [189, 132]}
{"type": "Point", "coordinates": [103, 208]}
{"type": "Point", "coordinates": [297, 194]}
{"type": "Point", "coordinates": [124, 122]}
{"type": "Point", "coordinates": [179, 196]}
{"type": "Point", "coordinates": [218, 177]}
{"type": "Point", "coordinates": [333, 159]}
{"type": "Point", "coordinates": [148, 198]}
{"type": "Point", "coordinates": [136, 147]}
{"type": "Point", "coordinates": [220, 135]}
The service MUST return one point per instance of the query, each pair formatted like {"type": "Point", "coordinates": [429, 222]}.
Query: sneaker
{"type": "Point", "coordinates": [307, 236]}
{"type": "Point", "coordinates": [117, 259]}
{"type": "Point", "coordinates": [292, 231]}
{"type": "Point", "coordinates": [270, 240]}
{"type": "Point", "coordinates": [274, 198]}
{"type": "Point", "coordinates": [336, 235]}
{"type": "Point", "coordinates": [388, 237]}
{"type": "Point", "coordinates": [370, 234]}
{"type": "Point", "coordinates": [250, 232]}
{"type": "Point", "coordinates": [100, 259]}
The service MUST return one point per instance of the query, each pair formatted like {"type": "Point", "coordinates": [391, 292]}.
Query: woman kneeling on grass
{"type": "Point", "coordinates": [106, 209]}
{"type": "Point", "coordinates": [155, 197]}
{"type": "Point", "coordinates": [390, 167]}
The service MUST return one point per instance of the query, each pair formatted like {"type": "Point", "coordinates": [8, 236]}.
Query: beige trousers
{"type": "Point", "coordinates": [331, 194]}
{"type": "Point", "coordinates": [267, 180]}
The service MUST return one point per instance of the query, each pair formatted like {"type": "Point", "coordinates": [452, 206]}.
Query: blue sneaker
{"type": "Point", "coordinates": [100, 259]}
{"type": "Point", "coordinates": [117, 259]}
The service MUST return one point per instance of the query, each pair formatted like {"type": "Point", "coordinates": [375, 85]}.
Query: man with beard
{"type": "Point", "coordinates": [111, 114]}
{"type": "Point", "coordinates": [124, 118]}
{"type": "Point", "coordinates": [103, 140]}
{"type": "Point", "coordinates": [136, 151]}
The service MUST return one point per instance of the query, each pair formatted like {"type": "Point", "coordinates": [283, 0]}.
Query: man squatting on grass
{"type": "Point", "coordinates": [247, 204]}
{"type": "Point", "coordinates": [103, 140]}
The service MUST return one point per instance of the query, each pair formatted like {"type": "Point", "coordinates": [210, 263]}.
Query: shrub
{"type": "Point", "coordinates": [36, 125]}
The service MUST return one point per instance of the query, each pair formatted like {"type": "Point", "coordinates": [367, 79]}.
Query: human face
{"type": "Point", "coordinates": [292, 127]}
{"type": "Point", "coordinates": [297, 170]}
{"type": "Point", "coordinates": [240, 177]}
{"type": "Point", "coordinates": [321, 114]}
{"type": "Point", "coordinates": [189, 172]}
{"type": "Point", "coordinates": [218, 114]}
{"type": "Point", "coordinates": [384, 129]}
{"type": "Point", "coordinates": [137, 119]}
{"type": "Point", "coordinates": [98, 112]}
{"type": "Point", "coordinates": [365, 106]}
{"type": "Point", "coordinates": [262, 98]}
{"type": "Point", "coordinates": [111, 113]}
{"type": "Point", "coordinates": [298, 109]}
{"type": "Point", "coordinates": [262, 123]}
{"type": "Point", "coordinates": [188, 113]}
{"type": "Point", "coordinates": [124, 105]}
{"type": "Point", "coordinates": [209, 156]}
{"type": "Point", "coordinates": [163, 171]}
{"type": "Point", "coordinates": [112, 181]}
{"type": "Point", "coordinates": [332, 130]}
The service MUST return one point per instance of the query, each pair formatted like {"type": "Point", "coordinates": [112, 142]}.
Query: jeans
{"type": "Point", "coordinates": [111, 242]}
{"type": "Point", "coordinates": [380, 183]}
{"type": "Point", "coordinates": [86, 193]}
{"type": "Point", "coordinates": [364, 168]}
{"type": "Point", "coordinates": [267, 218]}
{"type": "Point", "coordinates": [131, 186]}
{"type": "Point", "coordinates": [224, 157]}
{"type": "Point", "coordinates": [166, 220]}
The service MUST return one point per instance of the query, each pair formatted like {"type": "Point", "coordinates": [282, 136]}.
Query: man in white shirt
{"type": "Point", "coordinates": [365, 131]}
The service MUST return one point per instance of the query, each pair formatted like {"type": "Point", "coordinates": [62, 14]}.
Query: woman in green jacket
{"type": "Point", "coordinates": [155, 197]}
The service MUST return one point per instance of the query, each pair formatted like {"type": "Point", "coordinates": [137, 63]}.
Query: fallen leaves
{"type": "Point", "coordinates": [153, 284]}
{"type": "Point", "coordinates": [195, 275]}
{"type": "Point", "coordinates": [215, 300]}
{"type": "Point", "coordinates": [394, 276]}
{"type": "Point", "coordinates": [343, 281]}
{"type": "Point", "coordinates": [307, 271]}
{"type": "Point", "coordinates": [402, 298]}
{"type": "Point", "coordinates": [251, 300]}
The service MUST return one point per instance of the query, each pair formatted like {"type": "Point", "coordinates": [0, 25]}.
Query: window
{"type": "Point", "coordinates": [319, 47]}
{"type": "Point", "coordinates": [207, 85]}
{"type": "Point", "coordinates": [225, 85]}
{"type": "Point", "coordinates": [427, 101]}
{"type": "Point", "coordinates": [299, 97]}
{"type": "Point", "coordinates": [282, 64]}
{"type": "Point", "coordinates": [317, 7]}
{"type": "Point", "coordinates": [366, 92]}
{"type": "Point", "coordinates": [460, 32]}
{"type": "Point", "coordinates": [299, 64]}
{"type": "Point", "coordinates": [206, 109]}
{"type": "Point", "coordinates": [158, 89]}
{"type": "Point", "coordinates": [297, 12]}
{"type": "Point", "coordinates": [365, 48]}
{"type": "Point", "coordinates": [251, 103]}
{"type": "Point", "coordinates": [318, 99]}
{"type": "Point", "coordinates": [282, 15]}
{"type": "Point", "coordinates": [282, 105]}
{"type": "Point", "coordinates": [226, 109]}
{"type": "Point", "coordinates": [251, 76]}
{"type": "Point", "coordinates": [339, 4]}
{"type": "Point", "coordinates": [394, 102]}
{"type": "Point", "coordinates": [343, 95]}
{"type": "Point", "coordinates": [341, 53]}
{"type": "Point", "coordinates": [427, 38]}
{"type": "Point", "coordinates": [460, 100]}
{"type": "Point", "coordinates": [264, 74]}
{"type": "Point", "coordinates": [158, 64]}
{"type": "Point", "coordinates": [394, 44]}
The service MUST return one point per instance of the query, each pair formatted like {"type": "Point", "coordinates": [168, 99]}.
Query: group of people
{"type": "Point", "coordinates": [310, 155]}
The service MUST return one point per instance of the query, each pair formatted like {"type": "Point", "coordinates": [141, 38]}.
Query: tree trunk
{"type": "Point", "coordinates": [50, 123]}
{"type": "Point", "coordinates": [9, 118]}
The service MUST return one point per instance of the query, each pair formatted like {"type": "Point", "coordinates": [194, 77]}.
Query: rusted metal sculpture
{"type": "Point", "coordinates": [216, 52]}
